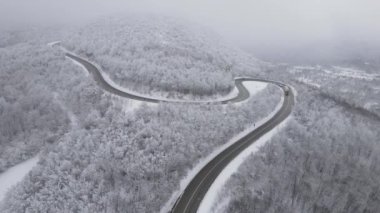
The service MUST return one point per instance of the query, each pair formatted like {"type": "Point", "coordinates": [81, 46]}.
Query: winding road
{"type": "Point", "coordinates": [192, 196]}
{"type": "Point", "coordinates": [243, 93]}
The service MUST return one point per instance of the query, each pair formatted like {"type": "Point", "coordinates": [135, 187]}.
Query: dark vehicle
{"type": "Point", "coordinates": [286, 90]}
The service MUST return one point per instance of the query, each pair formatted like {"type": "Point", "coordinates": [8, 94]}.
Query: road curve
{"type": "Point", "coordinates": [190, 199]}
{"type": "Point", "coordinates": [192, 196]}
{"type": "Point", "coordinates": [97, 75]}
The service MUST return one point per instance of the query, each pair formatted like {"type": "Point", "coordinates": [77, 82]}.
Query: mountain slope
{"type": "Point", "coordinates": [156, 53]}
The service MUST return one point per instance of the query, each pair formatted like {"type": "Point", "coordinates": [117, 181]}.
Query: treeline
{"type": "Point", "coordinates": [133, 161]}
{"type": "Point", "coordinates": [161, 54]}
{"type": "Point", "coordinates": [325, 160]}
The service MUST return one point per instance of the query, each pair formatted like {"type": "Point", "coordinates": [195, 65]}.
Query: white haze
{"type": "Point", "coordinates": [268, 28]}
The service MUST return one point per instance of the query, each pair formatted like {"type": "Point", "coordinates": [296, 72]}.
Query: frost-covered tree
{"type": "Point", "coordinates": [325, 160]}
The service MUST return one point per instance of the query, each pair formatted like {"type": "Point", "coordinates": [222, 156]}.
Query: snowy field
{"type": "Point", "coordinates": [15, 174]}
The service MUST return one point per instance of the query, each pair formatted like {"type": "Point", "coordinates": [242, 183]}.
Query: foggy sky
{"type": "Point", "coordinates": [266, 24]}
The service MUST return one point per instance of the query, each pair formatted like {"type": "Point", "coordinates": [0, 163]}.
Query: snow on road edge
{"type": "Point", "coordinates": [108, 79]}
{"type": "Point", "coordinates": [128, 106]}
{"type": "Point", "coordinates": [254, 87]}
{"type": "Point", "coordinates": [191, 174]}
{"type": "Point", "coordinates": [80, 65]}
{"type": "Point", "coordinates": [212, 194]}
{"type": "Point", "coordinates": [15, 174]}
{"type": "Point", "coordinates": [232, 94]}
{"type": "Point", "coordinates": [51, 44]}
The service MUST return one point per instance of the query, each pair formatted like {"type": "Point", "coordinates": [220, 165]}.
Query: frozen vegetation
{"type": "Point", "coordinates": [325, 160]}
{"type": "Point", "coordinates": [113, 159]}
{"type": "Point", "coordinates": [30, 118]}
{"type": "Point", "coordinates": [138, 160]}
{"type": "Point", "coordinates": [357, 87]}
{"type": "Point", "coordinates": [211, 197]}
{"type": "Point", "coordinates": [135, 52]}
{"type": "Point", "coordinates": [98, 156]}
{"type": "Point", "coordinates": [41, 94]}
{"type": "Point", "coordinates": [39, 91]}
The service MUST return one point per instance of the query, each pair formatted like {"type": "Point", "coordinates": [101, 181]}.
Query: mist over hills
{"type": "Point", "coordinates": [323, 53]}
{"type": "Point", "coordinates": [100, 152]}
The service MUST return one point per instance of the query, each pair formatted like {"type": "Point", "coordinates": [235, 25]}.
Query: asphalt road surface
{"type": "Point", "coordinates": [243, 93]}
{"type": "Point", "coordinates": [191, 198]}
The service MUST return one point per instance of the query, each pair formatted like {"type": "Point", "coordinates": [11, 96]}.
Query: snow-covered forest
{"type": "Point", "coordinates": [326, 159]}
{"type": "Point", "coordinates": [309, 168]}
{"type": "Point", "coordinates": [355, 86]}
{"type": "Point", "coordinates": [138, 159]}
{"type": "Point", "coordinates": [33, 81]}
{"type": "Point", "coordinates": [136, 51]}
{"type": "Point", "coordinates": [98, 152]}
{"type": "Point", "coordinates": [94, 154]}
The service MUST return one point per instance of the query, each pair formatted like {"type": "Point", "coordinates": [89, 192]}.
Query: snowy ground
{"type": "Point", "coordinates": [308, 82]}
{"type": "Point", "coordinates": [156, 95]}
{"type": "Point", "coordinates": [253, 88]}
{"type": "Point", "coordinates": [51, 44]}
{"type": "Point", "coordinates": [15, 174]}
{"type": "Point", "coordinates": [211, 196]}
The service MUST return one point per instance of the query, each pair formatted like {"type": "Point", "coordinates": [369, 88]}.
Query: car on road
{"type": "Point", "coordinates": [286, 90]}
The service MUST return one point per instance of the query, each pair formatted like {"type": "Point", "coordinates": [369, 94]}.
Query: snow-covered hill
{"type": "Point", "coordinates": [95, 155]}
{"type": "Point", "coordinates": [161, 54]}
